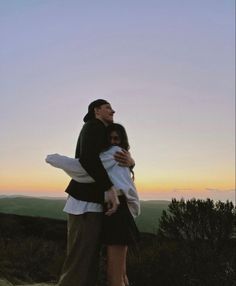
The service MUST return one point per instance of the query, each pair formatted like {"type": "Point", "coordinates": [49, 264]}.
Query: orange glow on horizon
{"type": "Point", "coordinates": [47, 183]}
{"type": "Point", "coordinates": [143, 188]}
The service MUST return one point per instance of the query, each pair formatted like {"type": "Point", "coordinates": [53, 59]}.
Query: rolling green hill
{"type": "Point", "coordinates": [29, 206]}
{"type": "Point", "coordinates": [53, 208]}
{"type": "Point", "coordinates": [151, 211]}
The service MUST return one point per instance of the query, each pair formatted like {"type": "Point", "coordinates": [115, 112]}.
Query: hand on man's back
{"type": "Point", "coordinates": [124, 158]}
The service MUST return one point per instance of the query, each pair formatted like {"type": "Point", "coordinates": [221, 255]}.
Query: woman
{"type": "Point", "coordinates": [119, 230]}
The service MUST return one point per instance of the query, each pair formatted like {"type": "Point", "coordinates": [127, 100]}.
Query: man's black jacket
{"type": "Point", "coordinates": [92, 140]}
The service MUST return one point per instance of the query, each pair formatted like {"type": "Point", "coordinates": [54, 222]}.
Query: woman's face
{"type": "Point", "coordinates": [114, 138]}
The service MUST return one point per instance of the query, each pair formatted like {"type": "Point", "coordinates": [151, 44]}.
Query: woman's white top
{"type": "Point", "coordinates": [120, 177]}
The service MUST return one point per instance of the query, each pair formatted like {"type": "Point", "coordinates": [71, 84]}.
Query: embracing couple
{"type": "Point", "coordinates": [102, 200]}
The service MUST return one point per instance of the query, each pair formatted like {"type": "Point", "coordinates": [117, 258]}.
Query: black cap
{"type": "Point", "coordinates": [90, 115]}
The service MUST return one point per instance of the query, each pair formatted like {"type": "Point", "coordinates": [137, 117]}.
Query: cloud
{"type": "Point", "coordinates": [222, 194]}
{"type": "Point", "coordinates": [221, 190]}
{"type": "Point", "coordinates": [181, 190]}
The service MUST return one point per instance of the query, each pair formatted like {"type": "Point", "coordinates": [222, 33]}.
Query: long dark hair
{"type": "Point", "coordinates": [124, 142]}
{"type": "Point", "coordinates": [121, 133]}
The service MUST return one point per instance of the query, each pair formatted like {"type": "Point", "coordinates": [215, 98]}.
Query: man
{"type": "Point", "coordinates": [84, 203]}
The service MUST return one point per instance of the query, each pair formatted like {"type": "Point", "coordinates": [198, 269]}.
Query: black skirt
{"type": "Point", "coordinates": [120, 227]}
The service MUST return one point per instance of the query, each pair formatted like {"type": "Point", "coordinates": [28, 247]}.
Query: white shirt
{"type": "Point", "coordinates": [77, 207]}
{"type": "Point", "coordinates": [120, 177]}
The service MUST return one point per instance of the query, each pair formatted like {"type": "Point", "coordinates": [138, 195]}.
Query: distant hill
{"type": "Point", "coordinates": [29, 206]}
{"type": "Point", "coordinates": [151, 211]}
{"type": "Point", "coordinates": [53, 208]}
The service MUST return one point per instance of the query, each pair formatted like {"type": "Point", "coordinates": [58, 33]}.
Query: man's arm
{"type": "Point", "coordinates": [91, 144]}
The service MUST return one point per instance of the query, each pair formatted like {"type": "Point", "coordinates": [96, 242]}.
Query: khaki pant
{"type": "Point", "coordinates": [83, 247]}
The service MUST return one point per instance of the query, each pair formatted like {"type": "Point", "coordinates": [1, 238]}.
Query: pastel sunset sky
{"type": "Point", "coordinates": [166, 67]}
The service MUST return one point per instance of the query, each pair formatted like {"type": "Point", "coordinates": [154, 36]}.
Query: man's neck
{"type": "Point", "coordinates": [103, 121]}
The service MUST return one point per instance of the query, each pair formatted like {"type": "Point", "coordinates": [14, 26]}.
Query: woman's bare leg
{"type": "Point", "coordinates": [116, 264]}
{"type": "Point", "coordinates": [126, 280]}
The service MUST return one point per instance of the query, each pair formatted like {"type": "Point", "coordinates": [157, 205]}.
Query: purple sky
{"type": "Point", "coordinates": [167, 67]}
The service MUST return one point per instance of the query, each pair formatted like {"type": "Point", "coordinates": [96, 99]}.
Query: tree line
{"type": "Point", "coordinates": [195, 246]}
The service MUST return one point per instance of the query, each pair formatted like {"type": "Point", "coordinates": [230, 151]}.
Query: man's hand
{"type": "Point", "coordinates": [112, 201]}
{"type": "Point", "coordinates": [124, 158]}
